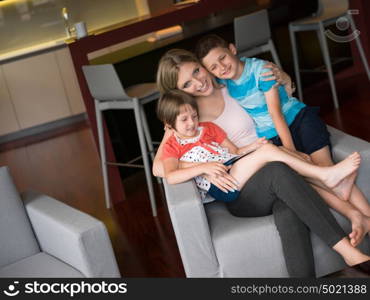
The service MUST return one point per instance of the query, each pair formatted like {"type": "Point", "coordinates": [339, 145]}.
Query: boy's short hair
{"type": "Point", "coordinates": [207, 43]}
{"type": "Point", "coordinates": [169, 105]}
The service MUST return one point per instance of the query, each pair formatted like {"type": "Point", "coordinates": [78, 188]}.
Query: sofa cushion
{"type": "Point", "coordinates": [343, 145]}
{"type": "Point", "coordinates": [16, 235]}
{"type": "Point", "coordinates": [245, 247]}
{"type": "Point", "coordinates": [39, 265]}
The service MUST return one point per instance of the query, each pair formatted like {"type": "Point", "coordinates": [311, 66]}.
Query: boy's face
{"type": "Point", "coordinates": [186, 125]}
{"type": "Point", "coordinates": [223, 63]}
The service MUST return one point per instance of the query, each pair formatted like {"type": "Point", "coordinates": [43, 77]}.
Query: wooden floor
{"type": "Point", "coordinates": [65, 165]}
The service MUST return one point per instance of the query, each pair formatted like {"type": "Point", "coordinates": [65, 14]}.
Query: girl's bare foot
{"type": "Point", "coordinates": [344, 188]}
{"type": "Point", "coordinates": [333, 175]}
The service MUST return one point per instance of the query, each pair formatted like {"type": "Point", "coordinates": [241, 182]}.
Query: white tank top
{"type": "Point", "coordinates": [236, 122]}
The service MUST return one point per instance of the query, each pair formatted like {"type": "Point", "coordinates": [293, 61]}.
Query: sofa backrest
{"type": "Point", "coordinates": [17, 240]}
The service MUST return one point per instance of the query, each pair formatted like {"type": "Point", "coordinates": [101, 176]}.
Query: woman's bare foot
{"type": "Point", "coordinates": [351, 255]}
{"type": "Point", "coordinates": [344, 188]}
{"type": "Point", "coordinates": [356, 259]}
{"type": "Point", "coordinates": [360, 227]}
{"type": "Point", "coordinates": [333, 175]}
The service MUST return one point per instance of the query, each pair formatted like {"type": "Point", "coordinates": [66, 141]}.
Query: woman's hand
{"type": "Point", "coordinates": [225, 182]}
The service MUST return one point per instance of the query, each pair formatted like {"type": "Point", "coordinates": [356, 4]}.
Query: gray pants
{"type": "Point", "coordinates": [297, 208]}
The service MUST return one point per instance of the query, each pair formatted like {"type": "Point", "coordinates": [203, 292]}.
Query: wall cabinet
{"type": "Point", "coordinates": [8, 118]}
{"type": "Point", "coordinates": [39, 89]}
{"type": "Point", "coordinates": [70, 81]}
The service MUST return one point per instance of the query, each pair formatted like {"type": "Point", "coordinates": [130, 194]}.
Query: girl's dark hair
{"type": "Point", "coordinates": [170, 103]}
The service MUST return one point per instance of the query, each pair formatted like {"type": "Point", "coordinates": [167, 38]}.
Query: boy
{"type": "Point", "coordinates": [282, 119]}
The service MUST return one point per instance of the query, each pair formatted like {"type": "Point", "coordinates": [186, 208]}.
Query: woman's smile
{"type": "Point", "coordinates": [194, 79]}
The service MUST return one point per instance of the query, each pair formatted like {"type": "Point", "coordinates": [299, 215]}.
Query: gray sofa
{"type": "Point", "coordinates": [42, 237]}
{"type": "Point", "coordinates": [213, 243]}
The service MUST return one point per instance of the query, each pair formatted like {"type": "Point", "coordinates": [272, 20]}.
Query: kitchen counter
{"type": "Point", "coordinates": [189, 29]}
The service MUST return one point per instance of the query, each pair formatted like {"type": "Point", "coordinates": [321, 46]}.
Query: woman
{"type": "Point", "coordinates": [179, 69]}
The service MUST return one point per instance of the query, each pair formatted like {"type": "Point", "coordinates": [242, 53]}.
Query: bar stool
{"type": "Point", "coordinates": [108, 93]}
{"type": "Point", "coordinates": [328, 13]}
{"type": "Point", "coordinates": [253, 35]}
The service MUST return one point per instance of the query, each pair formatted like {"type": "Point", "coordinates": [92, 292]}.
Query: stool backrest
{"type": "Point", "coordinates": [104, 83]}
{"type": "Point", "coordinates": [251, 30]}
{"type": "Point", "coordinates": [327, 6]}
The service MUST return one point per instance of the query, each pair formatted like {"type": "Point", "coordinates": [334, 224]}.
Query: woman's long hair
{"type": "Point", "coordinates": [168, 68]}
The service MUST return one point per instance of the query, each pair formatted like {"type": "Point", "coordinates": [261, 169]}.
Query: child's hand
{"type": "Point", "coordinates": [225, 183]}
{"type": "Point", "coordinates": [214, 169]}
{"type": "Point", "coordinates": [275, 74]}
{"type": "Point", "coordinates": [297, 154]}
{"type": "Point", "coordinates": [304, 156]}
{"type": "Point", "coordinates": [258, 143]}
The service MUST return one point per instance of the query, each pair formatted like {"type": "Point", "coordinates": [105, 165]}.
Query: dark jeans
{"type": "Point", "coordinates": [297, 208]}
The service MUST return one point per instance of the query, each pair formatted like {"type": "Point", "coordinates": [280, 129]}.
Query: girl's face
{"type": "Point", "coordinates": [186, 125]}
{"type": "Point", "coordinates": [194, 79]}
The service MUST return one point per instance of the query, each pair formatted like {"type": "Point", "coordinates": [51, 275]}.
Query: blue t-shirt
{"type": "Point", "coordinates": [249, 91]}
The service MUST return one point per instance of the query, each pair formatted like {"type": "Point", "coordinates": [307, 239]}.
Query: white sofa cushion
{"type": "Point", "coordinates": [17, 240]}
{"type": "Point", "coordinates": [39, 265]}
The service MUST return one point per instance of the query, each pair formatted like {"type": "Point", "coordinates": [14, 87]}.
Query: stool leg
{"type": "Point", "coordinates": [359, 47]}
{"type": "Point", "coordinates": [148, 137]}
{"type": "Point", "coordinates": [144, 153]}
{"type": "Point", "coordinates": [296, 63]}
{"type": "Point", "coordinates": [103, 159]}
{"type": "Point", "coordinates": [274, 54]}
{"type": "Point", "coordinates": [326, 55]}
{"type": "Point", "coordinates": [147, 132]}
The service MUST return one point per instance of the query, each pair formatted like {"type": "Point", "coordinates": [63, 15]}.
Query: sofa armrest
{"type": "Point", "coordinates": [343, 145]}
{"type": "Point", "coordinates": [71, 236]}
{"type": "Point", "coordinates": [191, 228]}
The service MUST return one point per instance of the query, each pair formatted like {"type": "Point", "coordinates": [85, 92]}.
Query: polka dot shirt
{"type": "Point", "coordinates": [205, 147]}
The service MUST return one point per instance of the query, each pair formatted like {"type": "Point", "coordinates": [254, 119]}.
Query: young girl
{"type": "Point", "coordinates": [207, 144]}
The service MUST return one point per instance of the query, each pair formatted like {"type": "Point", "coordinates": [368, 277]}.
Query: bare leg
{"type": "Point", "coordinates": [359, 222]}
{"type": "Point", "coordinates": [313, 181]}
{"type": "Point", "coordinates": [357, 198]}
{"type": "Point", "coordinates": [331, 176]}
